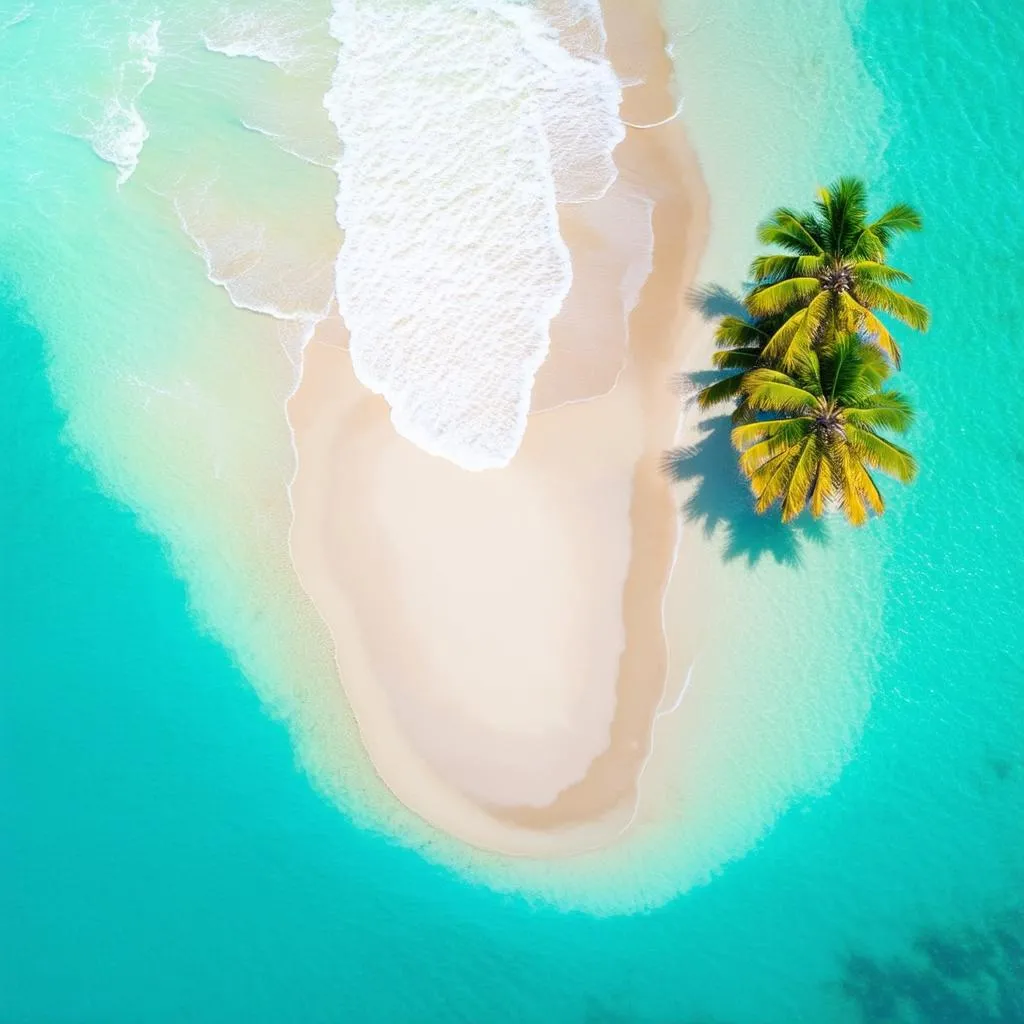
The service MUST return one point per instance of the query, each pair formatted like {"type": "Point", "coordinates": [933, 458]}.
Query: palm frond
{"type": "Point", "coordinates": [741, 332]}
{"type": "Point", "coordinates": [735, 358]}
{"type": "Point", "coordinates": [874, 331]}
{"type": "Point", "coordinates": [769, 482]}
{"type": "Point", "coordinates": [905, 309]}
{"type": "Point", "coordinates": [865, 484]}
{"type": "Point", "coordinates": [725, 390]}
{"type": "Point", "coordinates": [793, 340]}
{"type": "Point", "coordinates": [843, 209]}
{"type": "Point", "coordinates": [841, 372]}
{"type": "Point", "coordinates": [875, 366]}
{"type": "Point", "coordinates": [897, 220]}
{"type": "Point", "coordinates": [742, 413]}
{"type": "Point", "coordinates": [805, 471]}
{"type": "Point", "coordinates": [870, 270]}
{"type": "Point", "coordinates": [848, 489]}
{"type": "Point", "coordinates": [886, 410]}
{"type": "Point", "coordinates": [791, 231]}
{"type": "Point", "coordinates": [867, 247]}
{"type": "Point", "coordinates": [749, 434]}
{"type": "Point", "coordinates": [774, 391]}
{"type": "Point", "coordinates": [771, 268]}
{"type": "Point", "coordinates": [871, 493]}
{"type": "Point", "coordinates": [881, 453]}
{"type": "Point", "coordinates": [824, 486]}
{"type": "Point", "coordinates": [772, 299]}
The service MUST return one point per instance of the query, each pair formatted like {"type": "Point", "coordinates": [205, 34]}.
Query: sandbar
{"type": "Point", "coordinates": [499, 634]}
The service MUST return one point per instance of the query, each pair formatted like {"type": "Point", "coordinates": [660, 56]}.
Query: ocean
{"type": "Point", "coordinates": [165, 855]}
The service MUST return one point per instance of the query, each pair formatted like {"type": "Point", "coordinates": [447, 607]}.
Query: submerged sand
{"type": "Point", "coordinates": [499, 634]}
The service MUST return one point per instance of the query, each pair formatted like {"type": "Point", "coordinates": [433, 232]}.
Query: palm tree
{"type": "Point", "coordinates": [832, 278]}
{"type": "Point", "coordinates": [816, 438]}
{"type": "Point", "coordinates": [740, 341]}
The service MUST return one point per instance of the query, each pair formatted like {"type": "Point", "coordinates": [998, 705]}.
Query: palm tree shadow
{"type": "Point", "coordinates": [713, 301]}
{"type": "Point", "coordinates": [719, 500]}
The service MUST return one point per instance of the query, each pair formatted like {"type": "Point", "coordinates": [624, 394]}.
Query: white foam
{"type": "Point", "coordinates": [261, 36]}
{"type": "Point", "coordinates": [463, 124]}
{"type": "Point", "coordinates": [120, 133]}
{"type": "Point", "coordinates": [118, 137]}
{"type": "Point", "coordinates": [148, 44]}
{"type": "Point", "coordinates": [308, 153]}
{"type": "Point", "coordinates": [263, 267]}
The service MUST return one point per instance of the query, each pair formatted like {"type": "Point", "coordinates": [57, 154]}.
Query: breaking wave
{"type": "Point", "coordinates": [464, 123]}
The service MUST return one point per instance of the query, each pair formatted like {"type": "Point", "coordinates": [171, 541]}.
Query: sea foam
{"type": "Point", "coordinates": [120, 133]}
{"type": "Point", "coordinates": [274, 38]}
{"type": "Point", "coordinates": [263, 266]}
{"type": "Point", "coordinates": [464, 123]}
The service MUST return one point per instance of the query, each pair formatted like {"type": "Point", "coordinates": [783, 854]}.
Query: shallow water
{"type": "Point", "coordinates": [163, 856]}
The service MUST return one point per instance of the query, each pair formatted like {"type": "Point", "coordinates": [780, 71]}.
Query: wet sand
{"type": "Point", "coordinates": [499, 634]}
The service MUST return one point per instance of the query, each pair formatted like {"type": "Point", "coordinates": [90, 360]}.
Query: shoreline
{"type": "Point", "coordinates": [568, 780]}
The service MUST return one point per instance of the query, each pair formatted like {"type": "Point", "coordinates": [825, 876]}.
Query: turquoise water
{"type": "Point", "coordinates": [162, 858]}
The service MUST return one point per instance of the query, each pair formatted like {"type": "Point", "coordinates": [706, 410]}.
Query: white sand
{"type": "Point", "coordinates": [499, 634]}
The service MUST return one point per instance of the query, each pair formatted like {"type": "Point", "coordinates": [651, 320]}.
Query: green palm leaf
{"type": "Point", "coordinates": [806, 467]}
{"type": "Point", "coordinates": [774, 390]}
{"type": "Point", "coordinates": [795, 338]}
{"type": "Point", "coordinates": [767, 269]}
{"type": "Point", "coordinates": [887, 410]}
{"type": "Point", "coordinates": [770, 481]}
{"type": "Point", "coordinates": [900, 219]}
{"type": "Point", "coordinates": [843, 210]}
{"type": "Point", "coordinates": [825, 484]}
{"type": "Point", "coordinates": [848, 494]}
{"type": "Point", "coordinates": [736, 358]}
{"type": "Point", "coordinates": [814, 440]}
{"type": "Point", "coordinates": [791, 231]}
{"type": "Point", "coordinates": [772, 299]}
{"type": "Point", "coordinates": [875, 331]}
{"type": "Point", "coordinates": [752, 433]}
{"type": "Point", "coordinates": [841, 374]}
{"type": "Point", "coordinates": [726, 390]}
{"type": "Point", "coordinates": [880, 296]}
{"type": "Point", "coordinates": [882, 273]}
{"type": "Point", "coordinates": [737, 332]}
{"type": "Point", "coordinates": [880, 453]}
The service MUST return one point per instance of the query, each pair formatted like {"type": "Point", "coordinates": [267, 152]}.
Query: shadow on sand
{"type": "Point", "coordinates": [713, 302]}
{"type": "Point", "coordinates": [720, 501]}
{"type": "Point", "coordinates": [719, 496]}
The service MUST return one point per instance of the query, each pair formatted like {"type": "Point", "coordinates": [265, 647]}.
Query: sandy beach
{"type": "Point", "coordinates": [499, 634]}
